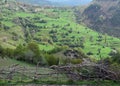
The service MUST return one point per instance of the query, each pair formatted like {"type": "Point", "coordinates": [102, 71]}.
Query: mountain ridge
{"type": "Point", "coordinates": [56, 2]}
{"type": "Point", "coordinates": [103, 16]}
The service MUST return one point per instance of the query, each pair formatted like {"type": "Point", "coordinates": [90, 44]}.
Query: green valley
{"type": "Point", "coordinates": [52, 27]}
{"type": "Point", "coordinates": [47, 45]}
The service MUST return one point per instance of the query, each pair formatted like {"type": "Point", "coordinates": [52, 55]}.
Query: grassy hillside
{"type": "Point", "coordinates": [55, 46]}
{"type": "Point", "coordinates": [50, 27]}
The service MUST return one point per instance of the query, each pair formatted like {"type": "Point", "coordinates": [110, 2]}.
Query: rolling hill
{"type": "Point", "coordinates": [60, 42]}
{"type": "Point", "coordinates": [50, 27]}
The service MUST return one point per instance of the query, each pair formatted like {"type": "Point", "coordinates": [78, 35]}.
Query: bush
{"type": "Point", "coordinates": [116, 57]}
{"type": "Point", "coordinates": [64, 61]}
{"type": "Point", "coordinates": [19, 52]}
{"type": "Point", "coordinates": [89, 53]}
{"type": "Point", "coordinates": [51, 60]}
{"type": "Point", "coordinates": [55, 50]}
{"type": "Point", "coordinates": [1, 49]}
{"type": "Point", "coordinates": [70, 81]}
{"type": "Point", "coordinates": [76, 61]}
{"type": "Point", "coordinates": [9, 52]}
{"type": "Point", "coordinates": [29, 53]}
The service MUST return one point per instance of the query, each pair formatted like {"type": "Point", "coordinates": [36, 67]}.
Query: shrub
{"type": "Point", "coordinates": [9, 52]}
{"type": "Point", "coordinates": [70, 81]}
{"type": "Point", "coordinates": [64, 61]}
{"type": "Point", "coordinates": [2, 50]}
{"type": "Point", "coordinates": [116, 57]}
{"type": "Point", "coordinates": [89, 53]}
{"type": "Point", "coordinates": [76, 61]}
{"type": "Point", "coordinates": [29, 53]}
{"type": "Point", "coordinates": [51, 60]}
{"type": "Point", "coordinates": [55, 50]}
{"type": "Point", "coordinates": [34, 47]}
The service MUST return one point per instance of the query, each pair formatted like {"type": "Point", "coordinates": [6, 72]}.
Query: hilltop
{"type": "Point", "coordinates": [56, 2]}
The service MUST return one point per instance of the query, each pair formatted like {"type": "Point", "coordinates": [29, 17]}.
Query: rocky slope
{"type": "Point", "coordinates": [103, 16]}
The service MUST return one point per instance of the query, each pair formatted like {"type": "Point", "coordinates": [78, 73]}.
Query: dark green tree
{"type": "Point", "coordinates": [34, 48]}
{"type": "Point", "coordinates": [19, 52]}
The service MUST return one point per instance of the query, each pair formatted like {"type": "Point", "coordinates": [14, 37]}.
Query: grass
{"type": "Point", "coordinates": [7, 23]}
{"type": "Point", "coordinates": [86, 83]}
{"type": "Point", "coordinates": [23, 14]}
{"type": "Point", "coordinates": [49, 80]}
{"type": "Point", "coordinates": [5, 62]}
{"type": "Point", "coordinates": [18, 78]}
{"type": "Point", "coordinates": [60, 18]}
{"type": "Point", "coordinates": [47, 47]}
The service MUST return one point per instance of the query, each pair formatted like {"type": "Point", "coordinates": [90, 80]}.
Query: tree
{"type": "Point", "coordinates": [116, 57]}
{"type": "Point", "coordinates": [1, 51]}
{"type": "Point", "coordinates": [9, 52]}
{"type": "Point", "coordinates": [51, 60]}
{"type": "Point", "coordinates": [6, 1]}
{"type": "Point", "coordinates": [91, 39]}
{"type": "Point", "coordinates": [105, 38]}
{"type": "Point", "coordinates": [28, 35]}
{"type": "Point", "coordinates": [19, 52]}
{"type": "Point", "coordinates": [34, 47]}
{"type": "Point", "coordinates": [29, 56]}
